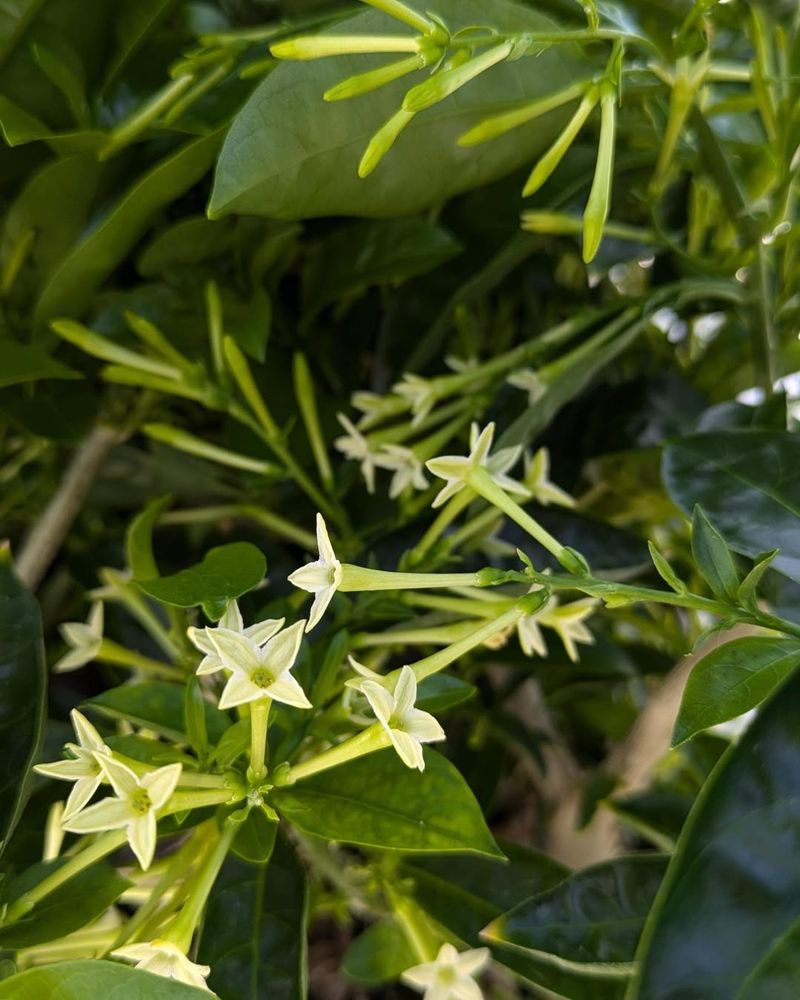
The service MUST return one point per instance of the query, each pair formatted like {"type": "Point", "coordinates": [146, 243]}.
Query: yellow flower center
{"type": "Point", "coordinates": [262, 678]}
{"type": "Point", "coordinates": [140, 802]}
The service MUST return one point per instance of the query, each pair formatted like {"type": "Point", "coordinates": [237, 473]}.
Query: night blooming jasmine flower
{"type": "Point", "coordinates": [231, 621]}
{"type": "Point", "coordinates": [260, 671]}
{"type": "Point", "coordinates": [135, 806]}
{"type": "Point", "coordinates": [355, 446]}
{"type": "Point", "coordinates": [527, 380]}
{"type": "Point", "coordinates": [566, 620]}
{"type": "Point", "coordinates": [84, 640]}
{"type": "Point", "coordinates": [537, 479]}
{"type": "Point", "coordinates": [450, 976]}
{"type": "Point", "coordinates": [406, 466]}
{"type": "Point", "coordinates": [82, 768]}
{"type": "Point", "coordinates": [163, 958]}
{"type": "Point", "coordinates": [320, 578]}
{"type": "Point", "coordinates": [407, 727]}
{"type": "Point", "coordinates": [455, 469]}
{"type": "Point", "coordinates": [419, 392]}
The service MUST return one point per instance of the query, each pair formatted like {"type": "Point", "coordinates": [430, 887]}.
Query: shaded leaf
{"type": "Point", "coordinates": [27, 363]}
{"type": "Point", "coordinates": [85, 978]}
{"type": "Point", "coordinates": [379, 954]}
{"type": "Point", "coordinates": [156, 705]}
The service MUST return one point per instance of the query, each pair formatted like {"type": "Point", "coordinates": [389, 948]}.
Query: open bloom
{"type": "Point", "coordinates": [527, 380]}
{"type": "Point", "coordinates": [320, 578]}
{"type": "Point", "coordinates": [420, 393]}
{"type": "Point", "coordinates": [537, 479]}
{"type": "Point", "coordinates": [406, 726]}
{"type": "Point", "coordinates": [355, 446]}
{"type": "Point", "coordinates": [135, 806]}
{"type": "Point", "coordinates": [82, 767]}
{"type": "Point", "coordinates": [163, 958]}
{"type": "Point", "coordinates": [566, 620]}
{"type": "Point", "coordinates": [84, 640]}
{"type": "Point", "coordinates": [455, 469]}
{"type": "Point", "coordinates": [231, 620]}
{"type": "Point", "coordinates": [260, 671]}
{"type": "Point", "coordinates": [450, 976]}
{"type": "Point", "coordinates": [406, 466]}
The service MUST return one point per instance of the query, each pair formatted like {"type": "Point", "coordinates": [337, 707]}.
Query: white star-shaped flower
{"type": "Point", "coordinates": [419, 392]}
{"type": "Point", "coordinates": [82, 767]}
{"type": "Point", "coordinates": [260, 671]}
{"type": "Point", "coordinates": [233, 622]}
{"type": "Point", "coordinates": [537, 479]}
{"type": "Point", "coordinates": [527, 380]}
{"type": "Point", "coordinates": [406, 726]}
{"type": "Point", "coordinates": [84, 640]}
{"type": "Point", "coordinates": [406, 466]}
{"type": "Point", "coordinates": [355, 446]}
{"type": "Point", "coordinates": [455, 469]}
{"type": "Point", "coordinates": [137, 801]}
{"type": "Point", "coordinates": [320, 578]}
{"type": "Point", "coordinates": [450, 976]}
{"type": "Point", "coordinates": [163, 958]}
{"type": "Point", "coordinates": [566, 620]}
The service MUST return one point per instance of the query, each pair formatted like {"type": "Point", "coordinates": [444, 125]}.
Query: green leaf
{"type": "Point", "coordinates": [23, 690]}
{"type": "Point", "coordinates": [748, 482]}
{"type": "Point", "coordinates": [185, 244]}
{"type": "Point", "coordinates": [291, 155]}
{"type": "Point", "coordinates": [83, 270]}
{"type": "Point", "coordinates": [86, 978]}
{"type": "Point", "coordinates": [255, 839]}
{"type": "Point", "coordinates": [362, 254]}
{"type": "Point", "coordinates": [74, 905]}
{"type": "Point", "coordinates": [777, 976]}
{"type": "Point", "coordinates": [376, 801]}
{"type": "Point", "coordinates": [732, 888]}
{"type": "Point", "coordinates": [254, 932]}
{"type": "Point", "coordinates": [379, 955]}
{"type": "Point", "coordinates": [139, 540]}
{"type": "Point", "coordinates": [26, 363]}
{"type": "Point", "coordinates": [155, 705]}
{"type": "Point", "coordinates": [15, 16]}
{"type": "Point", "coordinates": [732, 679]}
{"type": "Point", "coordinates": [713, 557]}
{"type": "Point", "coordinates": [665, 571]}
{"type": "Point", "coordinates": [226, 572]}
{"type": "Point", "coordinates": [592, 920]}
{"type": "Point", "coordinates": [439, 692]}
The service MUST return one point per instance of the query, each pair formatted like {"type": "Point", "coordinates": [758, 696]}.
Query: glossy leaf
{"type": "Point", "coordinates": [777, 976]}
{"type": "Point", "coordinates": [291, 155]}
{"type": "Point", "coordinates": [439, 692]}
{"type": "Point", "coordinates": [379, 954]}
{"type": "Point", "coordinates": [732, 679]}
{"type": "Point", "coordinates": [86, 978]}
{"type": "Point", "coordinates": [255, 838]}
{"type": "Point", "coordinates": [82, 900]}
{"type": "Point", "coordinates": [376, 801]}
{"type": "Point", "coordinates": [82, 271]}
{"type": "Point", "coordinates": [591, 920]}
{"type": "Point", "coordinates": [748, 482]}
{"type": "Point", "coordinates": [139, 540]}
{"type": "Point", "coordinates": [732, 889]}
{"type": "Point", "coordinates": [254, 932]}
{"type": "Point", "coordinates": [23, 687]}
{"type": "Point", "coordinates": [713, 557]}
{"type": "Point", "coordinates": [27, 363]}
{"type": "Point", "coordinates": [226, 572]}
{"type": "Point", "coordinates": [155, 705]}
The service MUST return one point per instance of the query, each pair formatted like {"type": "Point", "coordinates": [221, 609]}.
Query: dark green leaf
{"type": "Point", "coordinates": [156, 705]}
{"type": "Point", "coordinates": [23, 687]}
{"type": "Point", "coordinates": [731, 680]}
{"type": "Point", "coordinates": [379, 955]}
{"type": "Point", "coordinates": [255, 839]}
{"type": "Point", "coordinates": [139, 540]}
{"type": "Point", "coordinates": [591, 920]}
{"type": "Point", "coordinates": [190, 241]}
{"type": "Point", "coordinates": [777, 976]}
{"type": "Point", "coordinates": [748, 482]}
{"type": "Point", "coordinates": [194, 716]}
{"type": "Point", "coordinates": [439, 692]}
{"type": "Point", "coordinates": [291, 155]}
{"type": "Point", "coordinates": [254, 932]}
{"type": "Point", "coordinates": [83, 979]}
{"type": "Point", "coordinates": [26, 363]}
{"type": "Point", "coordinates": [225, 573]}
{"type": "Point", "coordinates": [74, 905]}
{"type": "Point", "coordinates": [713, 557]}
{"type": "Point", "coordinates": [733, 886]}
{"type": "Point", "coordinates": [376, 801]}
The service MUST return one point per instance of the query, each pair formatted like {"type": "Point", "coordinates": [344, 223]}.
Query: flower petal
{"type": "Point", "coordinates": [326, 552]}
{"type": "Point", "coordinates": [73, 659]}
{"type": "Point", "coordinates": [262, 631]}
{"type": "Point", "coordinates": [279, 654]}
{"type": "Point", "coordinates": [231, 618]}
{"type": "Point", "coordinates": [238, 691]}
{"type": "Point", "coordinates": [82, 791]}
{"type": "Point", "coordinates": [472, 961]}
{"type": "Point", "coordinates": [88, 736]}
{"type": "Point", "coordinates": [110, 814]}
{"type": "Point", "coordinates": [480, 444]}
{"type": "Point", "coordinates": [122, 778]}
{"type": "Point", "coordinates": [408, 749]}
{"type": "Point", "coordinates": [65, 770]}
{"type": "Point", "coordinates": [405, 692]}
{"type": "Point", "coordinates": [381, 702]}
{"type": "Point", "coordinates": [237, 653]}
{"type": "Point", "coordinates": [161, 784]}
{"type": "Point", "coordinates": [142, 833]}
{"type": "Point", "coordinates": [287, 690]}
{"type": "Point", "coordinates": [424, 727]}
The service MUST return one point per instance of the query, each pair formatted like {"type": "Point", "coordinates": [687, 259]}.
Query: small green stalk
{"type": "Point", "coordinates": [269, 520]}
{"type": "Point", "coordinates": [357, 578]}
{"type": "Point", "coordinates": [454, 506]}
{"type": "Point", "coordinates": [555, 154]}
{"type": "Point", "coordinates": [321, 46]}
{"type": "Point", "coordinates": [192, 445]}
{"type": "Point", "coordinates": [100, 347]}
{"type": "Point", "coordinates": [371, 739]}
{"type": "Point", "coordinates": [411, 919]}
{"type": "Point", "coordinates": [259, 723]}
{"type": "Point", "coordinates": [131, 128]}
{"type": "Point", "coordinates": [307, 400]}
{"type": "Point", "coordinates": [111, 652]}
{"type": "Point", "coordinates": [383, 140]}
{"type": "Point", "coordinates": [402, 12]}
{"type": "Point", "coordinates": [596, 212]}
{"type": "Point", "coordinates": [481, 481]}
{"type": "Point", "coordinates": [439, 635]}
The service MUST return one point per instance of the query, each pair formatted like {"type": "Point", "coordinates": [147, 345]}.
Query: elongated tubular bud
{"type": "Point", "coordinates": [382, 141]}
{"type": "Point", "coordinates": [497, 125]}
{"type": "Point", "coordinates": [442, 85]}
{"type": "Point", "coordinates": [320, 46]}
{"type": "Point", "coordinates": [365, 83]}
{"type": "Point", "coordinates": [594, 218]}
{"type": "Point", "coordinates": [402, 12]}
{"type": "Point", "coordinates": [551, 159]}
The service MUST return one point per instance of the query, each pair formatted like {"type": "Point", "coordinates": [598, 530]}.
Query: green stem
{"type": "Point", "coordinates": [410, 918]}
{"type": "Point", "coordinates": [259, 723]}
{"type": "Point", "coordinates": [371, 739]}
{"type": "Point", "coordinates": [442, 521]}
{"type": "Point", "coordinates": [357, 578]}
{"type": "Point", "coordinates": [112, 652]}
